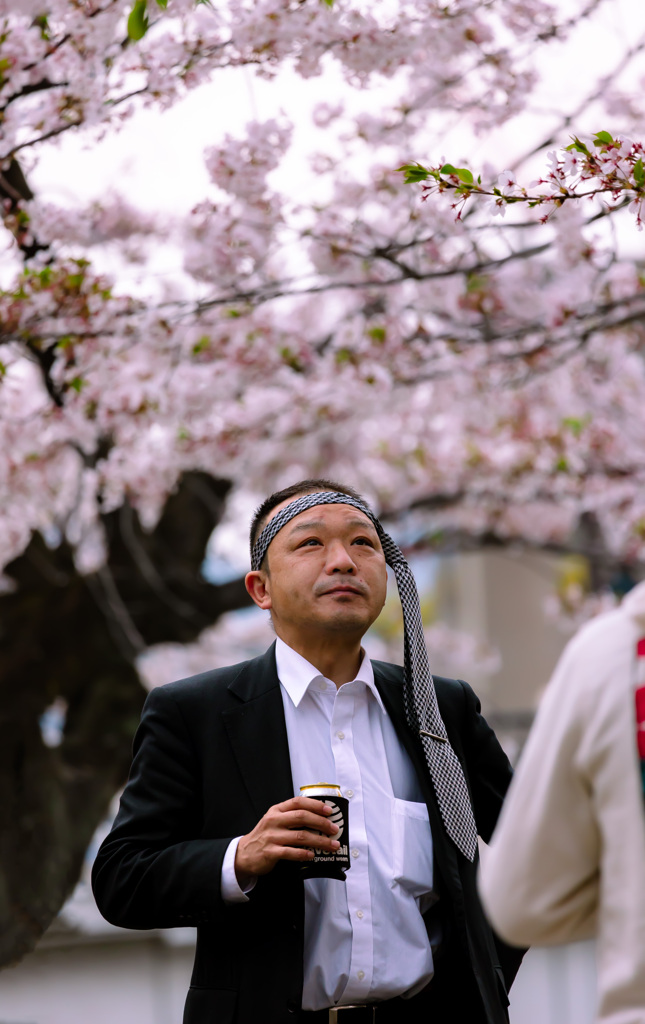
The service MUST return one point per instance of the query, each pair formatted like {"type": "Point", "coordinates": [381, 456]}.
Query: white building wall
{"type": "Point", "coordinates": [555, 986]}
{"type": "Point", "coordinates": [141, 982]}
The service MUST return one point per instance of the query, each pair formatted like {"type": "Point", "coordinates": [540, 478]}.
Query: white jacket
{"type": "Point", "coordinates": [567, 860]}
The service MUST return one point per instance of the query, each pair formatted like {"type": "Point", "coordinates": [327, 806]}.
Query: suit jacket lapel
{"type": "Point", "coordinates": [258, 734]}
{"type": "Point", "coordinates": [445, 853]}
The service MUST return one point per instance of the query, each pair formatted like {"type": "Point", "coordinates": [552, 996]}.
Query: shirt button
{"type": "Point", "coordinates": [349, 793]}
{"type": "Point", "coordinates": [359, 913]}
{"type": "Point", "coordinates": [360, 975]}
{"type": "Point", "coordinates": [341, 735]}
{"type": "Point", "coordinates": [354, 852]}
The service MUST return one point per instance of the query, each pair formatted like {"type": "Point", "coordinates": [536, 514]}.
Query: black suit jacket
{"type": "Point", "coordinates": [210, 757]}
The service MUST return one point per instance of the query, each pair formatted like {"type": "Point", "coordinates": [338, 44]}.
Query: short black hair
{"type": "Point", "coordinates": [294, 491]}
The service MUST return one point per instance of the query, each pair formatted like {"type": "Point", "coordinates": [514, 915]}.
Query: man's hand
{"type": "Point", "coordinates": [282, 834]}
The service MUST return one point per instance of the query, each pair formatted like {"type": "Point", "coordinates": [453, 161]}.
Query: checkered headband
{"type": "Point", "coordinates": [421, 707]}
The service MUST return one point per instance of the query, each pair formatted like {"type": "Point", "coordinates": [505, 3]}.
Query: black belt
{"type": "Point", "coordinates": [363, 1014]}
{"type": "Point", "coordinates": [390, 1011]}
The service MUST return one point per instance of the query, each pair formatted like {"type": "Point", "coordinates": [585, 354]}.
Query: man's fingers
{"type": "Point", "coordinates": [305, 819]}
{"type": "Point", "coordinates": [304, 803]}
{"type": "Point", "coordinates": [297, 853]}
{"type": "Point", "coordinates": [304, 837]}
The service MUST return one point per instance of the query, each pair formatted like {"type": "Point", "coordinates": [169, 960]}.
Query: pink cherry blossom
{"type": "Point", "coordinates": [490, 373]}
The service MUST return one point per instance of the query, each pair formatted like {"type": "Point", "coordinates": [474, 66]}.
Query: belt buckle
{"type": "Point", "coordinates": [337, 1014]}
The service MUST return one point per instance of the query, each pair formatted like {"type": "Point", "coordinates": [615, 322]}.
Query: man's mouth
{"type": "Point", "coordinates": [344, 589]}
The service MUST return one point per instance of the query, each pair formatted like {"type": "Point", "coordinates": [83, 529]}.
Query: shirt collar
{"type": "Point", "coordinates": [296, 674]}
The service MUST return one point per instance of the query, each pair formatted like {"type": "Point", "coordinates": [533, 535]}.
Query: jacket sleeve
{"type": "Point", "coordinates": [153, 870]}
{"type": "Point", "coordinates": [539, 878]}
{"type": "Point", "coordinates": [488, 767]}
{"type": "Point", "coordinates": [490, 774]}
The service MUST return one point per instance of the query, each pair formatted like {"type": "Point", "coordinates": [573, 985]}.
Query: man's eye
{"type": "Point", "coordinates": [310, 542]}
{"type": "Point", "coordinates": [364, 540]}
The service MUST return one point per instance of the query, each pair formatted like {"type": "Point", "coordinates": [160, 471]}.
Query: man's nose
{"type": "Point", "coordinates": [339, 559]}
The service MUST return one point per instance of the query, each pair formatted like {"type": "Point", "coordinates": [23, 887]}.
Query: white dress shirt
{"type": "Point", "coordinates": [365, 939]}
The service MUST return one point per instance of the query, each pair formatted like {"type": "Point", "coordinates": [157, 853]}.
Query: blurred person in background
{"type": "Point", "coordinates": [567, 859]}
{"type": "Point", "coordinates": [210, 834]}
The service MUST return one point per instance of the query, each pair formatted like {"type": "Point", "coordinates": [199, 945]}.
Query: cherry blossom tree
{"type": "Point", "coordinates": [608, 167]}
{"type": "Point", "coordinates": [483, 375]}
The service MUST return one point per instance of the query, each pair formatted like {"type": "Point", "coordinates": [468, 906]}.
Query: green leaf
{"type": "Point", "coordinates": [465, 175]}
{"type": "Point", "coordinates": [77, 384]}
{"type": "Point", "coordinates": [201, 345]}
{"type": "Point", "coordinates": [163, 4]}
{"type": "Point", "coordinates": [344, 355]}
{"type": "Point", "coordinates": [476, 283]}
{"type": "Point", "coordinates": [329, 3]}
{"type": "Point", "coordinates": [577, 145]}
{"type": "Point", "coordinates": [291, 359]}
{"type": "Point", "coordinates": [575, 424]}
{"type": "Point", "coordinates": [138, 21]}
{"type": "Point", "coordinates": [603, 138]}
{"type": "Point", "coordinates": [639, 173]}
{"type": "Point", "coordinates": [448, 169]}
{"type": "Point", "coordinates": [41, 22]}
{"type": "Point", "coordinates": [413, 173]}
{"type": "Point", "coordinates": [377, 334]}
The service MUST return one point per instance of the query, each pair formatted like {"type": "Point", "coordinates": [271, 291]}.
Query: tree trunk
{"type": "Point", "coordinates": [75, 639]}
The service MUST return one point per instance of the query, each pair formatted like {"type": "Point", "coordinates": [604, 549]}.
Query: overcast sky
{"type": "Point", "coordinates": [156, 159]}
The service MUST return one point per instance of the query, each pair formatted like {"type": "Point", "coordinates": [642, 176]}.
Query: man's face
{"type": "Point", "coordinates": [326, 573]}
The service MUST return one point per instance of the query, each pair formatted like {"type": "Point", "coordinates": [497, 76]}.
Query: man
{"type": "Point", "coordinates": [209, 832]}
{"type": "Point", "coordinates": [567, 861]}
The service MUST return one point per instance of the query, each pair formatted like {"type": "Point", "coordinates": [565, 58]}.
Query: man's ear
{"type": "Point", "coordinates": [256, 583]}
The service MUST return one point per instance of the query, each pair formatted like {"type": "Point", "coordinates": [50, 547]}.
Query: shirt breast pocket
{"type": "Point", "coordinates": [411, 847]}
